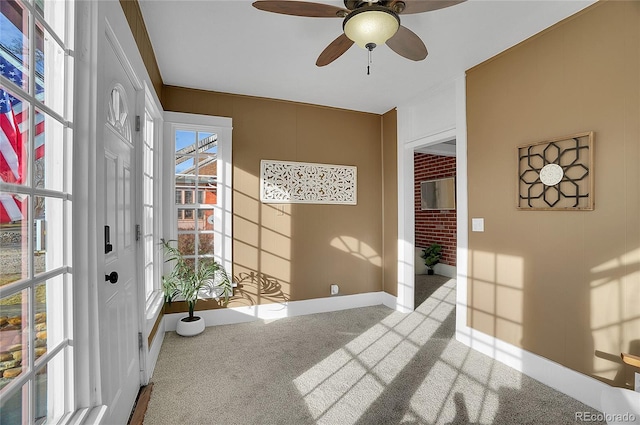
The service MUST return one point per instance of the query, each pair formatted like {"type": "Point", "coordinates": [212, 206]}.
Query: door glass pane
{"type": "Point", "coordinates": [14, 332]}
{"type": "Point", "coordinates": [14, 160]}
{"type": "Point", "coordinates": [48, 234]}
{"type": "Point", "coordinates": [14, 247]}
{"type": "Point", "coordinates": [14, 35]}
{"type": "Point", "coordinates": [48, 152]}
{"type": "Point", "coordinates": [50, 64]}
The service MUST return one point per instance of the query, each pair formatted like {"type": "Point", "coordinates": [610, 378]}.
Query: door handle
{"type": "Point", "coordinates": [107, 240]}
{"type": "Point", "coordinates": [111, 277]}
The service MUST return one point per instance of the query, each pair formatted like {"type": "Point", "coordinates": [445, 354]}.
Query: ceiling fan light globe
{"type": "Point", "coordinates": [371, 26]}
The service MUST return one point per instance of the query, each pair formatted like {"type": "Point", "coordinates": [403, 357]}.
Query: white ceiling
{"type": "Point", "coordinates": [229, 46]}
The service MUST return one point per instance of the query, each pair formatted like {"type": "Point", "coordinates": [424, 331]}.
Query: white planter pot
{"type": "Point", "coordinates": [187, 328]}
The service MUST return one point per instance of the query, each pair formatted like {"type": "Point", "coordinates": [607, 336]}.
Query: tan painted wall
{"type": "Point", "coordinates": [564, 285]}
{"type": "Point", "coordinates": [390, 201]}
{"type": "Point", "coordinates": [296, 251]}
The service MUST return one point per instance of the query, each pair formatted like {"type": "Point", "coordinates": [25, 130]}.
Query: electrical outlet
{"type": "Point", "coordinates": [335, 289]}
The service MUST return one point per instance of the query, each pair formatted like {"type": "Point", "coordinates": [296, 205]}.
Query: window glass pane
{"type": "Point", "coordinates": [14, 331]}
{"type": "Point", "coordinates": [211, 148]}
{"type": "Point", "coordinates": [206, 137]}
{"type": "Point", "coordinates": [187, 244]}
{"type": "Point", "coordinates": [184, 141]}
{"type": "Point", "coordinates": [13, 237]}
{"type": "Point", "coordinates": [49, 315]}
{"type": "Point", "coordinates": [210, 194]}
{"type": "Point", "coordinates": [48, 234]}
{"type": "Point", "coordinates": [48, 152]}
{"type": "Point", "coordinates": [148, 279]}
{"type": "Point", "coordinates": [186, 219]}
{"type": "Point", "coordinates": [14, 37]}
{"type": "Point", "coordinates": [206, 221]}
{"type": "Point", "coordinates": [205, 245]}
{"type": "Point", "coordinates": [148, 249]}
{"type": "Point", "coordinates": [207, 165]}
{"type": "Point", "coordinates": [50, 64]}
{"type": "Point", "coordinates": [11, 407]}
{"type": "Point", "coordinates": [53, 12]}
{"type": "Point", "coordinates": [14, 158]}
{"type": "Point", "coordinates": [49, 399]}
{"type": "Point", "coordinates": [184, 165]}
{"type": "Point", "coordinates": [148, 220]}
{"type": "Point", "coordinates": [188, 196]}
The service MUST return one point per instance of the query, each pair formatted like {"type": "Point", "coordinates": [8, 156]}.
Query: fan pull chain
{"type": "Point", "coordinates": [370, 47]}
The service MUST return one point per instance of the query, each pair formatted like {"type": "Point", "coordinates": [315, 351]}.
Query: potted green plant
{"type": "Point", "coordinates": [431, 255]}
{"type": "Point", "coordinates": [189, 282]}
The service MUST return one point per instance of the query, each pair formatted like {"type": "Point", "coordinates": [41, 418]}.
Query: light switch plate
{"type": "Point", "coordinates": [477, 224]}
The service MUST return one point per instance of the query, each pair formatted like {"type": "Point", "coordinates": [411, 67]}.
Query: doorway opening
{"type": "Point", "coordinates": [434, 174]}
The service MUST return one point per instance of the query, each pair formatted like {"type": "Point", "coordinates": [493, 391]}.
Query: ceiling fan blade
{"type": "Point", "coordinates": [334, 50]}
{"type": "Point", "coordinates": [406, 43]}
{"type": "Point", "coordinates": [300, 8]}
{"type": "Point", "coordinates": [420, 6]}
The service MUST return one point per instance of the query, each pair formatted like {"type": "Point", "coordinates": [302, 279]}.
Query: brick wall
{"type": "Point", "coordinates": [437, 226]}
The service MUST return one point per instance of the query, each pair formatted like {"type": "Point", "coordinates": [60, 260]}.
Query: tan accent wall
{"type": "Point", "coordinates": [132, 11]}
{"type": "Point", "coordinates": [296, 251]}
{"type": "Point", "coordinates": [564, 285]}
{"type": "Point", "coordinates": [390, 201]}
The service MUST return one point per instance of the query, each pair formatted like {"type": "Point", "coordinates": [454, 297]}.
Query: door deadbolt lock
{"type": "Point", "coordinates": [111, 277]}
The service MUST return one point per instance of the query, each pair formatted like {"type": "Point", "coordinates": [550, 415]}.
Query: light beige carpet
{"type": "Point", "coordinates": [363, 366]}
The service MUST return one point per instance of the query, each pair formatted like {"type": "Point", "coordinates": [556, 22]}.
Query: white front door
{"type": "Point", "coordinates": [118, 296]}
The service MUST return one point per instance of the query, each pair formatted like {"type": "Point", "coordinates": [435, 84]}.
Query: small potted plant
{"type": "Point", "coordinates": [208, 280]}
{"type": "Point", "coordinates": [431, 255]}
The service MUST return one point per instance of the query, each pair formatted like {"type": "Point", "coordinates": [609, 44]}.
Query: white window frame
{"type": "Point", "coordinates": [58, 359]}
{"type": "Point", "coordinates": [153, 302]}
{"type": "Point", "coordinates": [175, 121]}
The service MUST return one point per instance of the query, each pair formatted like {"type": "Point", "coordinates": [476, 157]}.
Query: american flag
{"type": "Point", "coordinates": [14, 126]}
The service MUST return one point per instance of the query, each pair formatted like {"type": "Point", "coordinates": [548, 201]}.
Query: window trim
{"type": "Point", "coordinates": [62, 351]}
{"type": "Point", "coordinates": [152, 303]}
{"type": "Point", "coordinates": [222, 126]}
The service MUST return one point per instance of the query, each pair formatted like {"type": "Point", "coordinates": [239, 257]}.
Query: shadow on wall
{"type": "Point", "coordinates": [253, 286]}
{"type": "Point", "coordinates": [584, 329]}
{"type": "Point", "coordinates": [271, 266]}
{"type": "Point", "coordinates": [615, 317]}
{"type": "Point", "coordinates": [261, 245]}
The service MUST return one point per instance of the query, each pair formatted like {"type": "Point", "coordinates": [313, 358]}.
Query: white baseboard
{"type": "Point", "coordinates": [446, 270]}
{"type": "Point", "coordinates": [228, 316]}
{"type": "Point", "coordinates": [577, 385]}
